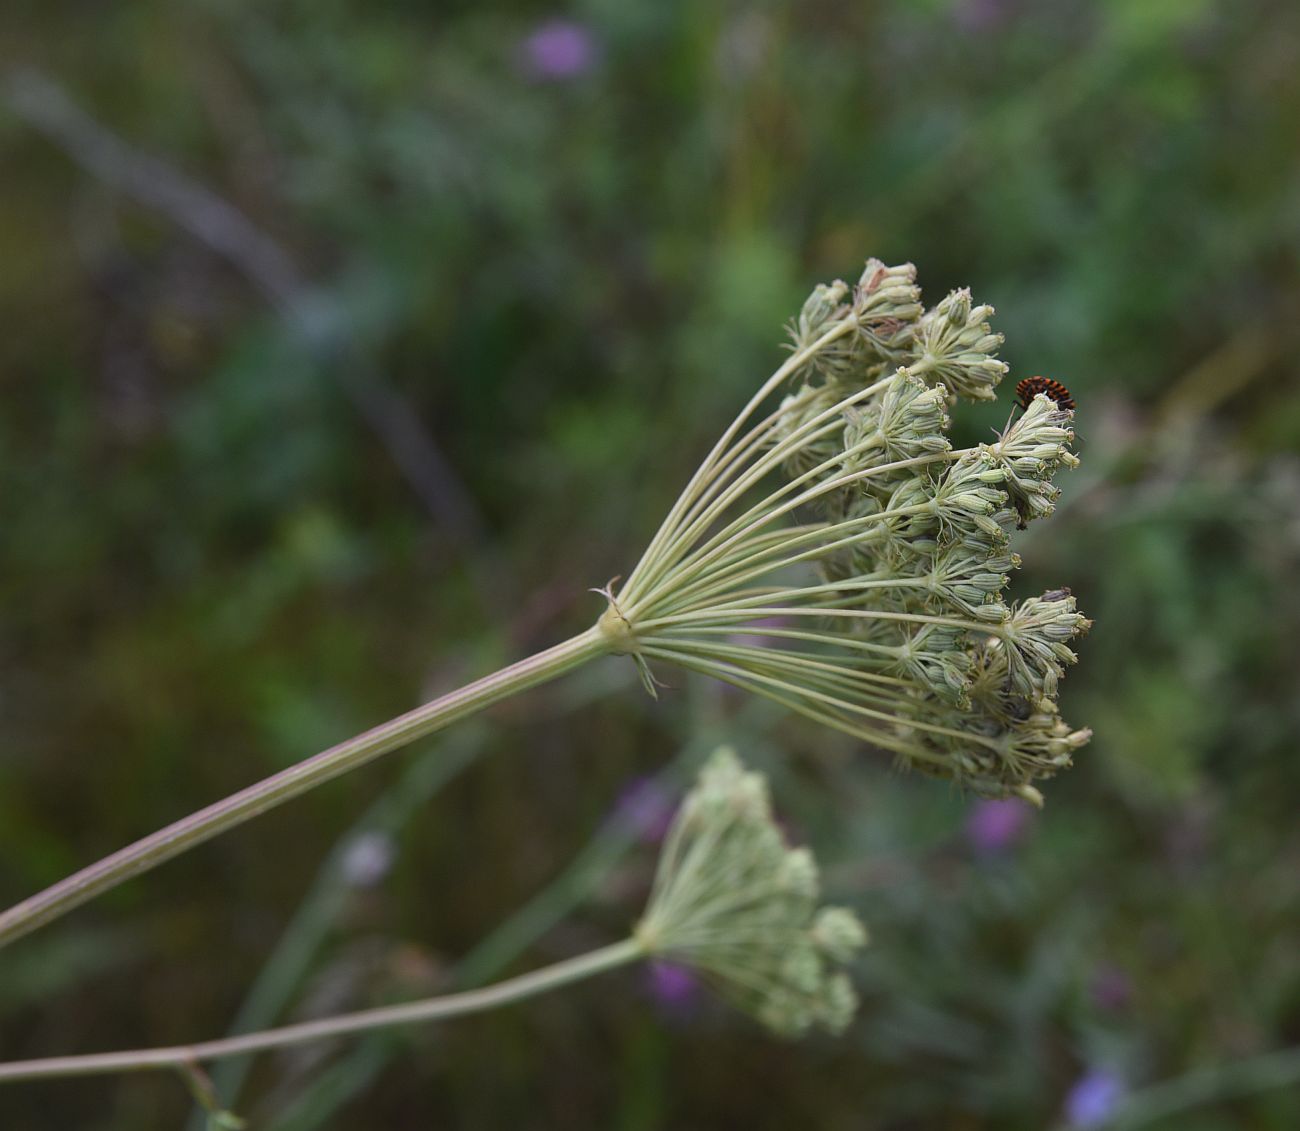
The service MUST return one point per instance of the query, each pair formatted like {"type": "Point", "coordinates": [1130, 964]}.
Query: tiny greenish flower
{"type": "Point", "coordinates": [970, 581]}
{"type": "Point", "coordinates": [835, 553]}
{"type": "Point", "coordinates": [886, 307]}
{"type": "Point", "coordinates": [735, 903]}
{"type": "Point", "coordinates": [908, 420]}
{"type": "Point", "coordinates": [871, 325]}
{"type": "Point", "coordinates": [1034, 642]}
{"type": "Point", "coordinates": [954, 344]}
{"type": "Point", "coordinates": [824, 306]}
{"type": "Point", "coordinates": [1031, 452]}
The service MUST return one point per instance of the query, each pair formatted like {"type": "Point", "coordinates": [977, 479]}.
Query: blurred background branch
{"type": "Point", "coordinates": [315, 318]}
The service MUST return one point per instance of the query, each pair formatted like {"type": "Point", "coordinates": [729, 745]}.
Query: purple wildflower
{"type": "Point", "coordinates": [367, 859]}
{"type": "Point", "coordinates": [1094, 1098]}
{"type": "Point", "coordinates": [673, 988]}
{"type": "Point", "coordinates": [994, 826]}
{"type": "Point", "coordinates": [647, 808]}
{"type": "Point", "coordinates": [558, 50]}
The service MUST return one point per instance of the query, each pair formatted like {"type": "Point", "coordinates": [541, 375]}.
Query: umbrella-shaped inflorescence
{"type": "Point", "coordinates": [837, 554]}
{"type": "Point", "coordinates": [732, 901]}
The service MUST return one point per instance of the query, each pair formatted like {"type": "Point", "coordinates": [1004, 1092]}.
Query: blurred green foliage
{"type": "Point", "coordinates": [212, 566]}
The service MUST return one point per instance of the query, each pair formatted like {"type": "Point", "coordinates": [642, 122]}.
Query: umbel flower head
{"type": "Point", "coordinates": [835, 553]}
{"type": "Point", "coordinates": [734, 902]}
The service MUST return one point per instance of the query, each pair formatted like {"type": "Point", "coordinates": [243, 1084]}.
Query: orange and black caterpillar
{"type": "Point", "coordinates": [1030, 387]}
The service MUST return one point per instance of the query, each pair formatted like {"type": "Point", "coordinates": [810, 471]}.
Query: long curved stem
{"type": "Point", "coordinates": [428, 1009]}
{"type": "Point", "coordinates": [234, 810]}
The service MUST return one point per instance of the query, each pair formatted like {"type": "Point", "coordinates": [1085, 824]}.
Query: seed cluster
{"type": "Point", "coordinates": [738, 905]}
{"type": "Point", "coordinates": [836, 553]}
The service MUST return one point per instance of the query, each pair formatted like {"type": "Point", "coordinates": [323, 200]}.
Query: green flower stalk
{"type": "Point", "coordinates": [835, 522]}
{"type": "Point", "coordinates": [870, 559]}
{"type": "Point", "coordinates": [729, 899]}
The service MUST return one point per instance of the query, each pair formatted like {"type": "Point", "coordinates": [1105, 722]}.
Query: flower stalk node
{"type": "Point", "coordinates": [615, 627]}
{"type": "Point", "coordinates": [621, 638]}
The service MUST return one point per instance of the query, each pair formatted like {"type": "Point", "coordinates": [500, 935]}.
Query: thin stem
{"type": "Point", "coordinates": [827, 422]}
{"type": "Point", "coordinates": [812, 667]}
{"type": "Point", "coordinates": [735, 461]}
{"type": "Point", "coordinates": [148, 853]}
{"type": "Point", "coordinates": [764, 513]}
{"type": "Point", "coordinates": [736, 572]}
{"type": "Point", "coordinates": [820, 708]}
{"type": "Point", "coordinates": [741, 598]}
{"type": "Point", "coordinates": [428, 1009]}
{"type": "Point", "coordinates": [320, 909]}
{"type": "Point", "coordinates": [738, 612]}
{"type": "Point", "coordinates": [700, 516]}
{"type": "Point", "coordinates": [730, 631]}
{"type": "Point", "coordinates": [701, 660]}
{"type": "Point", "coordinates": [708, 467]}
